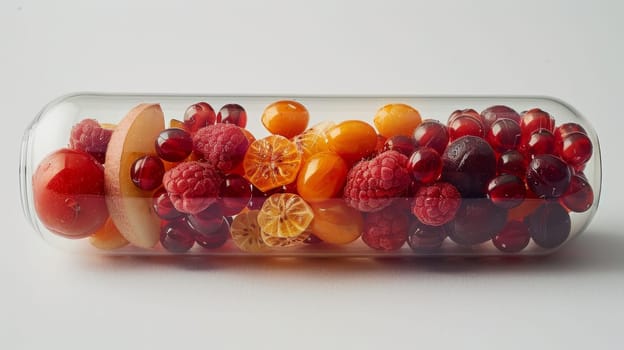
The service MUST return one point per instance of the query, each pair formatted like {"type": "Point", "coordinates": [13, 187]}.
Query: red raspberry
{"type": "Point", "coordinates": [436, 204]}
{"type": "Point", "coordinates": [386, 229]}
{"type": "Point", "coordinates": [192, 186]}
{"type": "Point", "coordinates": [373, 184]}
{"type": "Point", "coordinates": [88, 136]}
{"type": "Point", "coordinates": [223, 145]}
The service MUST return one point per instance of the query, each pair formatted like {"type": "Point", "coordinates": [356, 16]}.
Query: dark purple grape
{"type": "Point", "coordinates": [174, 145]}
{"type": "Point", "coordinates": [476, 221]}
{"type": "Point", "coordinates": [548, 176]}
{"type": "Point", "coordinates": [506, 191]}
{"type": "Point", "coordinates": [206, 221]}
{"type": "Point", "coordinates": [216, 238]}
{"type": "Point", "coordinates": [425, 238]}
{"type": "Point", "coordinates": [549, 225]}
{"type": "Point", "coordinates": [513, 237]}
{"type": "Point", "coordinates": [177, 236]}
{"type": "Point", "coordinates": [469, 163]}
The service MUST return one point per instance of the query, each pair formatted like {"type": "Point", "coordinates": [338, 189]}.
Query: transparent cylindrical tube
{"type": "Point", "coordinates": [309, 175]}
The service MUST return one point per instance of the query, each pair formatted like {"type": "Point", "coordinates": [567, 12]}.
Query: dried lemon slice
{"type": "Point", "coordinates": [283, 242]}
{"type": "Point", "coordinates": [245, 232]}
{"type": "Point", "coordinates": [285, 215]}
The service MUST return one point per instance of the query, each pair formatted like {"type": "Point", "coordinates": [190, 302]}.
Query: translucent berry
{"type": "Point", "coordinates": [576, 149]}
{"type": "Point", "coordinates": [549, 225]}
{"type": "Point", "coordinates": [465, 125]}
{"type": "Point", "coordinates": [177, 236]}
{"type": "Point", "coordinates": [548, 176]}
{"type": "Point", "coordinates": [174, 145]}
{"type": "Point", "coordinates": [164, 207]}
{"type": "Point", "coordinates": [534, 120]}
{"type": "Point", "coordinates": [541, 141]}
{"type": "Point", "coordinates": [207, 221]}
{"type": "Point", "coordinates": [423, 238]}
{"type": "Point", "coordinates": [432, 133]}
{"type": "Point", "coordinates": [147, 172]}
{"type": "Point", "coordinates": [477, 221]}
{"type": "Point", "coordinates": [513, 163]}
{"type": "Point", "coordinates": [400, 143]}
{"type": "Point", "coordinates": [216, 238]}
{"type": "Point", "coordinates": [233, 114]}
{"type": "Point", "coordinates": [579, 197]}
{"type": "Point", "coordinates": [198, 116]}
{"type": "Point", "coordinates": [234, 194]}
{"type": "Point", "coordinates": [504, 134]}
{"type": "Point", "coordinates": [494, 113]}
{"type": "Point", "coordinates": [506, 191]}
{"type": "Point", "coordinates": [513, 237]}
{"type": "Point", "coordinates": [425, 165]}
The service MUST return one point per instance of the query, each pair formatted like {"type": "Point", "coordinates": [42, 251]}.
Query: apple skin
{"type": "Point", "coordinates": [131, 208]}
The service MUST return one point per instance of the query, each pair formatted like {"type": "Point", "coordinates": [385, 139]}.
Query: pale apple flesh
{"type": "Point", "coordinates": [131, 208]}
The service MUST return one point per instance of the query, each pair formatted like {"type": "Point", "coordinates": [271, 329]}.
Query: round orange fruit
{"type": "Point", "coordinates": [397, 119]}
{"type": "Point", "coordinates": [271, 162]}
{"type": "Point", "coordinates": [285, 118]}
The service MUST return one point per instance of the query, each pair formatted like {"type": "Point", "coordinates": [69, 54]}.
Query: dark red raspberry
{"type": "Point", "coordinates": [373, 184]}
{"type": "Point", "coordinates": [192, 186]}
{"type": "Point", "coordinates": [436, 204]}
{"type": "Point", "coordinates": [386, 229]}
{"type": "Point", "coordinates": [88, 136]}
{"type": "Point", "coordinates": [223, 145]}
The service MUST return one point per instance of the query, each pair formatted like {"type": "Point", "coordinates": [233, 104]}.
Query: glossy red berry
{"type": "Point", "coordinates": [576, 149]}
{"type": "Point", "coordinates": [177, 236]}
{"type": "Point", "coordinates": [147, 172]}
{"type": "Point", "coordinates": [164, 207]}
{"type": "Point", "coordinates": [174, 145]}
{"type": "Point", "coordinates": [504, 134]}
{"type": "Point", "coordinates": [423, 238]}
{"type": "Point", "coordinates": [535, 119]}
{"type": "Point", "coordinates": [506, 191]}
{"type": "Point", "coordinates": [233, 114]}
{"type": "Point", "coordinates": [235, 194]}
{"type": "Point", "coordinates": [433, 134]}
{"type": "Point", "coordinates": [549, 225]}
{"type": "Point", "coordinates": [548, 176]}
{"type": "Point", "coordinates": [541, 141]}
{"type": "Point", "coordinates": [464, 125]}
{"type": "Point", "coordinates": [494, 113]}
{"type": "Point", "coordinates": [206, 221]}
{"type": "Point", "coordinates": [513, 237]}
{"type": "Point", "coordinates": [216, 238]}
{"type": "Point", "coordinates": [579, 197]}
{"type": "Point", "coordinates": [400, 143]}
{"type": "Point", "coordinates": [198, 116]}
{"type": "Point", "coordinates": [512, 162]}
{"type": "Point", "coordinates": [425, 165]}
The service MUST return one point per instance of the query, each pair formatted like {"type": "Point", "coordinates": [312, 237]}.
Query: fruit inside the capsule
{"type": "Point", "coordinates": [108, 237]}
{"type": "Point", "coordinates": [272, 162]}
{"type": "Point", "coordinates": [130, 207]}
{"type": "Point", "coordinates": [335, 222]}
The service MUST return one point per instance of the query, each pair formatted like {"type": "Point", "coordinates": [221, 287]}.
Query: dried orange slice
{"type": "Point", "coordinates": [272, 162]}
{"type": "Point", "coordinates": [283, 242]}
{"type": "Point", "coordinates": [313, 140]}
{"type": "Point", "coordinates": [285, 215]}
{"type": "Point", "coordinates": [246, 233]}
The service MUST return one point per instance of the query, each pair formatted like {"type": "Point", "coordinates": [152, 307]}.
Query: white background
{"type": "Point", "coordinates": [573, 50]}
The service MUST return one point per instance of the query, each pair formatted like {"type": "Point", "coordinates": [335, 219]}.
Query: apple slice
{"type": "Point", "coordinates": [130, 208]}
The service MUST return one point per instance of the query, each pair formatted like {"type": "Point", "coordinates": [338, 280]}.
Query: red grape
{"type": "Point", "coordinates": [174, 145]}
{"type": "Point", "coordinates": [147, 172]}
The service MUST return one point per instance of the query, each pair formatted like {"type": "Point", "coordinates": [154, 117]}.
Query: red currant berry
{"type": "Point", "coordinates": [548, 176]}
{"type": "Point", "coordinates": [174, 145]}
{"type": "Point", "coordinates": [565, 129]}
{"type": "Point", "coordinates": [465, 113]}
{"type": "Point", "coordinates": [506, 191]}
{"type": "Point", "coordinates": [198, 116]}
{"type": "Point", "coordinates": [465, 125]}
{"type": "Point", "coordinates": [164, 207]}
{"type": "Point", "coordinates": [432, 133]}
{"type": "Point", "coordinates": [512, 162]}
{"type": "Point", "coordinates": [535, 119]}
{"type": "Point", "coordinates": [494, 113]}
{"type": "Point", "coordinates": [177, 236]}
{"type": "Point", "coordinates": [425, 165]}
{"type": "Point", "coordinates": [504, 134]}
{"type": "Point", "coordinates": [549, 225]}
{"type": "Point", "coordinates": [235, 194]}
{"type": "Point", "coordinates": [147, 172]}
{"type": "Point", "coordinates": [576, 149]}
{"type": "Point", "coordinates": [233, 114]}
{"type": "Point", "coordinates": [540, 141]}
{"type": "Point", "coordinates": [579, 197]}
{"type": "Point", "coordinates": [424, 238]}
{"type": "Point", "coordinates": [400, 143]}
{"type": "Point", "coordinates": [513, 237]}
